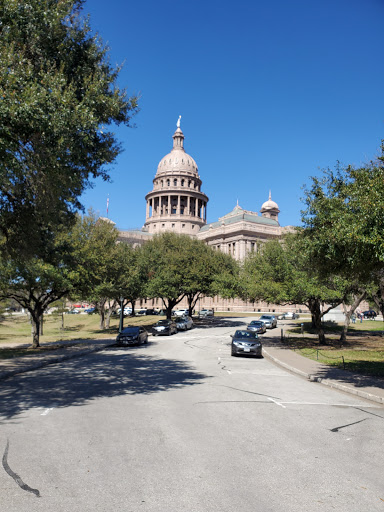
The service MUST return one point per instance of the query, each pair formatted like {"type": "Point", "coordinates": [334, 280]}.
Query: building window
{"type": "Point", "coordinates": [168, 183]}
{"type": "Point", "coordinates": [162, 183]}
{"type": "Point", "coordinates": [173, 225]}
{"type": "Point", "coordinates": [175, 183]}
{"type": "Point", "coordinates": [193, 226]}
{"type": "Point", "coordinates": [182, 183]}
{"type": "Point", "coordinates": [163, 225]}
{"type": "Point", "coordinates": [183, 225]}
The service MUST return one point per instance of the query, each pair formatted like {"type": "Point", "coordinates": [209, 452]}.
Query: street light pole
{"type": "Point", "coordinates": [121, 325]}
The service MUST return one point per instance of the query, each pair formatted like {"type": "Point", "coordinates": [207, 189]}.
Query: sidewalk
{"type": "Point", "coordinates": [353, 383]}
{"type": "Point", "coordinates": [366, 387]}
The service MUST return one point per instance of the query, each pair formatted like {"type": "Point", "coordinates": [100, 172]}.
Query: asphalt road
{"type": "Point", "coordinates": [180, 425]}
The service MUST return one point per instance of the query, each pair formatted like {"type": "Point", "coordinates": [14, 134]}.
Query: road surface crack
{"type": "Point", "coordinates": [15, 476]}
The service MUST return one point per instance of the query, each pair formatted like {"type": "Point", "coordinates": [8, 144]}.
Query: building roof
{"type": "Point", "coordinates": [238, 214]}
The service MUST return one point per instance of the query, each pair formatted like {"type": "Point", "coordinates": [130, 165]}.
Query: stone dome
{"type": "Point", "coordinates": [269, 205]}
{"type": "Point", "coordinates": [177, 160]}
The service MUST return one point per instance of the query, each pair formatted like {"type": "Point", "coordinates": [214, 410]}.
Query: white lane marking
{"type": "Point", "coordinates": [218, 360]}
{"type": "Point", "coordinates": [277, 403]}
{"type": "Point", "coordinates": [334, 405]}
{"type": "Point", "coordinates": [47, 411]}
{"type": "Point", "coordinates": [229, 371]}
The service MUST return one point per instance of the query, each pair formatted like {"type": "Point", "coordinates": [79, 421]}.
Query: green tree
{"type": "Point", "coordinates": [95, 250]}
{"type": "Point", "coordinates": [132, 275]}
{"type": "Point", "coordinates": [35, 284]}
{"type": "Point", "coordinates": [166, 259]}
{"type": "Point", "coordinates": [344, 220]}
{"type": "Point", "coordinates": [59, 95]}
{"type": "Point", "coordinates": [281, 273]}
{"type": "Point", "coordinates": [207, 273]}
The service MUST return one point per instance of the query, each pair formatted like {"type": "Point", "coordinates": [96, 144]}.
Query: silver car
{"type": "Point", "coordinates": [269, 320]}
{"type": "Point", "coordinates": [183, 323]}
{"type": "Point", "coordinates": [246, 343]}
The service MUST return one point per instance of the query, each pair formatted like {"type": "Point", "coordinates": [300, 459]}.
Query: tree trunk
{"type": "Point", "coordinates": [133, 302]}
{"type": "Point", "coordinates": [35, 320]}
{"type": "Point", "coordinates": [348, 314]}
{"type": "Point", "coordinates": [111, 309]}
{"type": "Point", "coordinates": [315, 309]}
{"type": "Point", "coordinates": [42, 326]}
{"type": "Point", "coordinates": [102, 318]}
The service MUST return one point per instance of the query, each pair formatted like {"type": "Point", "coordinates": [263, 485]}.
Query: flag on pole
{"type": "Point", "coordinates": [107, 204]}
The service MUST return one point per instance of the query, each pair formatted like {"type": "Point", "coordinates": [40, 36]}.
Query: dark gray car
{"type": "Point", "coordinates": [132, 335]}
{"type": "Point", "coordinates": [257, 326]}
{"type": "Point", "coordinates": [165, 327]}
{"type": "Point", "coordinates": [246, 343]}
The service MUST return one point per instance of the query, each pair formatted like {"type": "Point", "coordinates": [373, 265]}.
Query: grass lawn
{"type": "Point", "coordinates": [16, 329]}
{"type": "Point", "coordinates": [363, 352]}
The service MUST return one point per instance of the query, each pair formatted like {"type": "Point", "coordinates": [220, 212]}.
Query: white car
{"type": "Point", "coordinates": [182, 312]}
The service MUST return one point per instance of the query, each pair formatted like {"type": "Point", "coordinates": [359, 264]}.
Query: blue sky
{"type": "Point", "coordinates": [270, 92]}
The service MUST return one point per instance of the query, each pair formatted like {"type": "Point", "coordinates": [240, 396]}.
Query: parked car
{"type": "Point", "coordinates": [269, 320]}
{"type": "Point", "coordinates": [288, 316]}
{"type": "Point", "coordinates": [247, 343]}
{"type": "Point", "coordinates": [257, 326]}
{"type": "Point", "coordinates": [181, 312]}
{"type": "Point", "coordinates": [370, 314]}
{"type": "Point", "coordinates": [90, 311]}
{"type": "Point", "coordinates": [73, 312]}
{"type": "Point", "coordinates": [183, 323]}
{"type": "Point", "coordinates": [132, 335]}
{"type": "Point", "coordinates": [167, 327]}
{"type": "Point", "coordinates": [141, 312]}
{"type": "Point", "coordinates": [206, 313]}
{"type": "Point", "coordinates": [151, 312]}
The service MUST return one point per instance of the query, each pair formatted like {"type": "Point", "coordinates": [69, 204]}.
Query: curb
{"type": "Point", "coordinates": [5, 374]}
{"type": "Point", "coordinates": [325, 382]}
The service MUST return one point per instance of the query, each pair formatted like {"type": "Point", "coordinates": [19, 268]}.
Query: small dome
{"type": "Point", "coordinates": [269, 205]}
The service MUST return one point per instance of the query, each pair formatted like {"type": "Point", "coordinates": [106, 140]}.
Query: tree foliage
{"type": "Point", "coordinates": [59, 95]}
{"type": "Point", "coordinates": [282, 273]}
{"type": "Point", "coordinates": [344, 220]}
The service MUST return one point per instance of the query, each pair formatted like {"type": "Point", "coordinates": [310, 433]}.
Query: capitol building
{"type": "Point", "coordinates": [177, 203]}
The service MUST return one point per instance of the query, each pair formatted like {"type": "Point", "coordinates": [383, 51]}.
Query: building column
{"type": "Point", "coordinates": [178, 205]}
{"type": "Point", "coordinates": [242, 250]}
{"type": "Point", "coordinates": [147, 211]}
{"type": "Point", "coordinates": [188, 205]}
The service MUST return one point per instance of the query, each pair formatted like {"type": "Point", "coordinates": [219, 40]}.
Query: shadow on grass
{"type": "Point", "coordinates": [110, 373]}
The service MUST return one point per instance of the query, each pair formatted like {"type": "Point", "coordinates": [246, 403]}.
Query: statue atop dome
{"type": "Point", "coordinates": [178, 122]}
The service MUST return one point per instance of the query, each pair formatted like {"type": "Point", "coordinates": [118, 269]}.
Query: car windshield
{"type": "Point", "coordinates": [265, 317]}
{"type": "Point", "coordinates": [163, 322]}
{"type": "Point", "coordinates": [180, 320]}
{"type": "Point", "coordinates": [130, 330]}
{"type": "Point", "coordinates": [256, 322]}
{"type": "Point", "coordinates": [245, 334]}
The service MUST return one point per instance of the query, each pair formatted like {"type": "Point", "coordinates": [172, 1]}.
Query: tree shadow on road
{"type": "Point", "coordinates": [76, 382]}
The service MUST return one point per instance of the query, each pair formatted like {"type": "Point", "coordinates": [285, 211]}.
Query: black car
{"type": "Point", "coordinates": [246, 343]}
{"type": "Point", "coordinates": [166, 327]}
{"type": "Point", "coordinates": [370, 314]}
{"type": "Point", "coordinates": [132, 335]}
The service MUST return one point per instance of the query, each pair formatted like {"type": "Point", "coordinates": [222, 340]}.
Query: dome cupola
{"type": "Point", "coordinates": [270, 209]}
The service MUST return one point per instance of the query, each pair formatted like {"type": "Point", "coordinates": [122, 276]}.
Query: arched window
{"type": "Point", "coordinates": [175, 183]}
{"type": "Point", "coordinates": [182, 183]}
{"type": "Point", "coordinates": [168, 182]}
